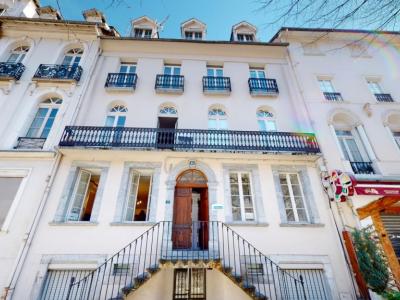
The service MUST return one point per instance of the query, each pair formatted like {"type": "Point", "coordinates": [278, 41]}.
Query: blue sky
{"type": "Point", "coordinates": [219, 15]}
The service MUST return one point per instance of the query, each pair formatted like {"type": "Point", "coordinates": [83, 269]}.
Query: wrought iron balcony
{"type": "Point", "coordinates": [362, 167]}
{"type": "Point", "coordinates": [263, 86]}
{"type": "Point", "coordinates": [58, 73]}
{"type": "Point", "coordinates": [384, 98]}
{"type": "Point", "coordinates": [188, 139]}
{"type": "Point", "coordinates": [170, 83]}
{"type": "Point", "coordinates": [30, 143]}
{"type": "Point", "coordinates": [121, 81]}
{"type": "Point", "coordinates": [216, 85]}
{"type": "Point", "coordinates": [11, 70]}
{"type": "Point", "coordinates": [333, 96]}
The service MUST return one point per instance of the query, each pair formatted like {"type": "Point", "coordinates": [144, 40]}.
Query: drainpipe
{"type": "Point", "coordinates": [324, 165]}
{"type": "Point", "coordinates": [24, 250]}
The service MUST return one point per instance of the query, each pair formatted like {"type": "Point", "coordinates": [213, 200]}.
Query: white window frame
{"type": "Point", "coordinates": [116, 113]}
{"type": "Point", "coordinates": [358, 142]}
{"type": "Point", "coordinates": [140, 173]}
{"type": "Point", "coordinates": [292, 198]}
{"type": "Point", "coordinates": [374, 86]}
{"type": "Point", "coordinates": [259, 73]}
{"type": "Point", "coordinates": [143, 33]}
{"type": "Point", "coordinates": [241, 196]}
{"type": "Point", "coordinates": [326, 85]}
{"type": "Point", "coordinates": [129, 68]}
{"type": "Point", "coordinates": [20, 173]}
{"type": "Point", "coordinates": [50, 104]}
{"type": "Point", "coordinates": [173, 68]}
{"type": "Point", "coordinates": [76, 56]}
{"type": "Point", "coordinates": [221, 121]}
{"type": "Point", "coordinates": [191, 35]}
{"type": "Point", "coordinates": [245, 37]}
{"type": "Point", "coordinates": [267, 120]}
{"type": "Point", "coordinates": [20, 53]}
{"type": "Point", "coordinates": [215, 71]}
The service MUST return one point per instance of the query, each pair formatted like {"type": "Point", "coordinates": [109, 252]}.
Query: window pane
{"type": "Point", "coordinates": [296, 190]}
{"type": "Point", "coordinates": [294, 179]}
{"type": "Point", "coordinates": [245, 178]}
{"type": "Point", "coordinates": [110, 121]}
{"type": "Point", "coordinates": [67, 60]}
{"type": "Point", "coordinates": [233, 177]}
{"type": "Point", "coordinates": [354, 151]}
{"type": "Point", "coordinates": [79, 196]}
{"type": "Point", "coordinates": [121, 121]}
{"type": "Point", "coordinates": [49, 123]}
{"type": "Point", "coordinates": [302, 215]}
{"type": "Point", "coordinates": [142, 198]}
{"type": "Point", "coordinates": [8, 187]}
{"type": "Point", "coordinates": [212, 124]}
{"type": "Point", "coordinates": [13, 58]}
{"type": "Point", "coordinates": [234, 189]}
{"type": "Point", "coordinates": [37, 122]}
{"type": "Point", "coordinates": [123, 69]}
{"type": "Point", "coordinates": [133, 187]}
{"type": "Point", "coordinates": [219, 72]}
{"type": "Point", "coordinates": [236, 214]}
{"type": "Point", "coordinates": [177, 70]}
{"type": "Point", "coordinates": [299, 202]}
{"type": "Point", "coordinates": [282, 178]}
{"type": "Point", "coordinates": [249, 214]}
{"type": "Point", "coordinates": [271, 125]}
{"type": "Point", "coordinates": [167, 71]}
{"type": "Point", "coordinates": [287, 202]}
{"type": "Point", "coordinates": [285, 189]}
{"type": "Point", "coordinates": [290, 215]}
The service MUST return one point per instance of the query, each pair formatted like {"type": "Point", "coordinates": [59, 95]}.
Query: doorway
{"type": "Point", "coordinates": [190, 214]}
{"type": "Point", "coordinates": [166, 138]}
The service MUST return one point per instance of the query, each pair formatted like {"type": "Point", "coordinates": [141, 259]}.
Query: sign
{"type": "Point", "coordinates": [379, 189]}
{"type": "Point", "coordinates": [217, 206]}
{"type": "Point", "coordinates": [342, 185]}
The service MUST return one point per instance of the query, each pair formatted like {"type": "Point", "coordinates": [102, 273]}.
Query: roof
{"type": "Point", "coordinates": [327, 30]}
{"type": "Point", "coordinates": [143, 18]}
{"type": "Point", "coordinates": [193, 20]}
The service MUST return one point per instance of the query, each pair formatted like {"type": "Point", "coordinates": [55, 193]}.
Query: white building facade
{"type": "Point", "coordinates": [148, 168]}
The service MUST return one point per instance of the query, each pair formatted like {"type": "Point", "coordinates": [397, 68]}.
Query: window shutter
{"type": "Point", "coordinates": [132, 194]}
{"type": "Point", "coordinates": [79, 195]}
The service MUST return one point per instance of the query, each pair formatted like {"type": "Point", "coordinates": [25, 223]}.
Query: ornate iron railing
{"type": "Point", "coordinates": [362, 167]}
{"type": "Point", "coordinates": [333, 96]}
{"type": "Point", "coordinates": [384, 97]}
{"type": "Point", "coordinates": [216, 84]}
{"type": "Point", "coordinates": [11, 70]}
{"type": "Point", "coordinates": [58, 72]}
{"type": "Point", "coordinates": [188, 139]}
{"type": "Point", "coordinates": [263, 86]}
{"type": "Point", "coordinates": [170, 82]}
{"type": "Point", "coordinates": [121, 80]}
{"type": "Point", "coordinates": [213, 244]}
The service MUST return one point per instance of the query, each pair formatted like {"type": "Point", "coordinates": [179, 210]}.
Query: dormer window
{"type": "Point", "coordinates": [143, 33]}
{"type": "Point", "coordinates": [193, 35]}
{"type": "Point", "coordinates": [245, 37]}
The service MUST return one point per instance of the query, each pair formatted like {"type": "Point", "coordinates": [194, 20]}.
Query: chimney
{"type": "Point", "coordinates": [48, 12]}
{"type": "Point", "coordinates": [94, 15]}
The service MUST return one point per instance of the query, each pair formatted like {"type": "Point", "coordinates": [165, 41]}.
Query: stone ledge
{"type": "Point", "coordinates": [137, 223]}
{"type": "Point", "coordinates": [73, 223]}
{"type": "Point", "coordinates": [255, 224]}
{"type": "Point", "coordinates": [301, 225]}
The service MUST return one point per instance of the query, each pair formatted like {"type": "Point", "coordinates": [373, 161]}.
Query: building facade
{"type": "Point", "coordinates": [149, 168]}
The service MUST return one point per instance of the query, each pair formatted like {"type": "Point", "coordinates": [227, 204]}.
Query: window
{"type": "Point", "coordinates": [351, 145]}
{"type": "Point", "coordinates": [326, 86]}
{"type": "Point", "coordinates": [116, 116]}
{"type": "Point", "coordinates": [18, 54]}
{"type": "Point", "coordinates": [217, 119]}
{"type": "Point", "coordinates": [83, 195]}
{"type": "Point", "coordinates": [44, 118]}
{"type": "Point", "coordinates": [72, 57]}
{"type": "Point", "coordinates": [127, 68]}
{"type": "Point", "coordinates": [138, 198]}
{"type": "Point", "coordinates": [316, 286]}
{"type": "Point", "coordinates": [374, 87]}
{"type": "Point", "coordinates": [293, 197]}
{"type": "Point", "coordinates": [9, 187]}
{"type": "Point", "coordinates": [172, 70]}
{"type": "Point", "coordinates": [396, 135]}
{"type": "Point", "coordinates": [189, 284]}
{"type": "Point", "coordinates": [241, 37]}
{"type": "Point", "coordinates": [168, 111]}
{"type": "Point", "coordinates": [266, 120]}
{"type": "Point", "coordinates": [143, 33]}
{"type": "Point", "coordinates": [193, 35]}
{"type": "Point", "coordinates": [257, 73]}
{"type": "Point", "coordinates": [241, 196]}
{"type": "Point", "coordinates": [121, 269]}
{"type": "Point", "coordinates": [215, 72]}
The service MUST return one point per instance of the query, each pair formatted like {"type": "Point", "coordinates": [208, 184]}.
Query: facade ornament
{"type": "Point", "coordinates": [367, 109]}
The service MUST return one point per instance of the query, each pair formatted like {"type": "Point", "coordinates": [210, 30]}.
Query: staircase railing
{"type": "Point", "coordinates": [212, 243]}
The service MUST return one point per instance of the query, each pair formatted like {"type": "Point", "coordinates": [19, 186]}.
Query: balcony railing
{"type": "Point", "coordinates": [11, 70]}
{"type": "Point", "coordinates": [384, 98]}
{"type": "Point", "coordinates": [188, 139]}
{"type": "Point", "coordinates": [30, 143]}
{"type": "Point", "coordinates": [170, 83]}
{"type": "Point", "coordinates": [121, 81]}
{"type": "Point", "coordinates": [333, 96]}
{"type": "Point", "coordinates": [216, 85]}
{"type": "Point", "coordinates": [361, 167]}
{"type": "Point", "coordinates": [58, 73]}
{"type": "Point", "coordinates": [263, 86]}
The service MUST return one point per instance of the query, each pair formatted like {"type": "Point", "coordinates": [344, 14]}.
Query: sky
{"type": "Point", "coordinates": [219, 15]}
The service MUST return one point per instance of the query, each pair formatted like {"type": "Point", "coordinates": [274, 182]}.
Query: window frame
{"type": "Point", "coordinates": [218, 119]}
{"type": "Point", "coordinates": [215, 70]}
{"type": "Point", "coordinates": [241, 196]}
{"type": "Point", "coordinates": [266, 120]}
{"type": "Point", "coordinates": [326, 85]}
{"type": "Point", "coordinates": [396, 137]}
{"type": "Point", "coordinates": [257, 72]}
{"type": "Point", "coordinates": [20, 54]}
{"type": "Point", "coordinates": [374, 86]}
{"type": "Point", "coordinates": [354, 135]}
{"type": "Point", "coordinates": [143, 33]}
{"type": "Point", "coordinates": [193, 35]}
{"type": "Point", "coordinates": [245, 37]}
{"type": "Point", "coordinates": [129, 67]}
{"type": "Point", "coordinates": [116, 115]}
{"type": "Point", "coordinates": [76, 57]}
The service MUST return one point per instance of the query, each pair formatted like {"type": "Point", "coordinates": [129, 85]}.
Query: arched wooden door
{"type": "Point", "coordinates": [187, 233]}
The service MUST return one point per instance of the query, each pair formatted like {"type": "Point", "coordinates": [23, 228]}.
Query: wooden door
{"type": "Point", "coordinates": [204, 218]}
{"type": "Point", "coordinates": [182, 220]}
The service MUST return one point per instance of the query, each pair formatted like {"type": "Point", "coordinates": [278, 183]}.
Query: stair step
{"type": "Point", "coordinates": [153, 269]}
{"type": "Point", "coordinates": [142, 278]}
{"type": "Point", "coordinates": [249, 287]}
{"type": "Point", "coordinates": [260, 296]}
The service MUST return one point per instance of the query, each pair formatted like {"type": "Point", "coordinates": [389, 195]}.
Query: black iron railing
{"type": "Point", "coordinates": [216, 84]}
{"type": "Point", "coordinates": [121, 80]}
{"type": "Point", "coordinates": [11, 70]}
{"type": "Point", "coordinates": [362, 167]}
{"type": "Point", "coordinates": [263, 86]}
{"type": "Point", "coordinates": [384, 97]}
{"type": "Point", "coordinates": [333, 96]}
{"type": "Point", "coordinates": [210, 244]}
{"type": "Point", "coordinates": [58, 72]}
{"type": "Point", "coordinates": [30, 143]}
{"type": "Point", "coordinates": [170, 82]}
{"type": "Point", "coordinates": [188, 139]}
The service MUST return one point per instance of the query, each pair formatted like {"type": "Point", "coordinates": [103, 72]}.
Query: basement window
{"type": "Point", "coordinates": [189, 284]}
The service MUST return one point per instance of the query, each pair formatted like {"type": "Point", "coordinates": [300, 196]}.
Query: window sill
{"type": "Point", "coordinates": [136, 223]}
{"type": "Point", "coordinates": [255, 224]}
{"type": "Point", "coordinates": [82, 223]}
{"type": "Point", "coordinates": [301, 225]}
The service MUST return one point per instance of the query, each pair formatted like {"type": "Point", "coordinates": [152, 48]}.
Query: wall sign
{"type": "Point", "coordinates": [378, 189]}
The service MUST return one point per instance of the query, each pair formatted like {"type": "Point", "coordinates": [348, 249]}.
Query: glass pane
{"type": "Point", "coordinates": [167, 71]}
{"type": "Point", "coordinates": [246, 189]}
{"type": "Point", "coordinates": [248, 201]}
{"type": "Point", "coordinates": [67, 60]}
{"type": "Point", "coordinates": [212, 124]}
{"type": "Point", "coordinates": [245, 178]}
{"type": "Point", "coordinates": [37, 122]}
{"type": "Point", "coordinates": [142, 198]}
{"type": "Point", "coordinates": [110, 121]}
{"type": "Point", "coordinates": [133, 186]}
{"type": "Point", "coordinates": [262, 125]}
{"type": "Point", "coordinates": [177, 70]}
{"type": "Point", "coordinates": [271, 125]}
{"type": "Point", "coordinates": [249, 214]}
{"type": "Point", "coordinates": [234, 189]}
{"type": "Point", "coordinates": [13, 58]}
{"type": "Point", "coordinates": [219, 72]}
{"type": "Point", "coordinates": [344, 149]}
{"type": "Point", "coordinates": [282, 178]}
{"type": "Point", "coordinates": [210, 72]}
{"type": "Point", "coordinates": [79, 196]}
{"type": "Point", "coordinates": [235, 201]}
{"type": "Point", "coordinates": [294, 179]}
{"type": "Point", "coordinates": [121, 121]}
{"type": "Point", "coordinates": [290, 215]}
{"type": "Point", "coordinates": [123, 69]}
{"type": "Point", "coordinates": [299, 202]}
{"type": "Point", "coordinates": [233, 177]}
{"type": "Point", "coordinates": [223, 124]}
{"type": "Point", "coordinates": [354, 152]}
{"type": "Point", "coordinates": [302, 215]}
{"type": "Point", "coordinates": [287, 202]}
{"type": "Point", "coordinates": [253, 74]}
{"type": "Point", "coordinates": [296, 190]}
{"type": "Point", "coordinates": [285, 189]}
{"type": "Point", "coordinates": [236, 214]}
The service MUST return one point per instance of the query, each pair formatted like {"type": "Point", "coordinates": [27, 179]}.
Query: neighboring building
{"type": "Point", "coordinates": [194, 157]}
{"type": "Point", "coordinates": [349, 84]}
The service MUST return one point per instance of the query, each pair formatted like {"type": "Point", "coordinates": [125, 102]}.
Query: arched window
{"type": "Point", "coordinates": [18, 54]}
{"type": "Point", "coordinates": [266, 120]}
{"type": "Point", "coordinates": [44, 118]}
{"type": "Point", "coordinates": [72, 57]}
{"type": "Point", "coordinates": [168, 110]}
{"type": "Point", "coordinates": [116, 116]}
{"type": "Point", "coordinates": [217, 119]}
{"type": "Point", "coordinates": [192, 177]}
